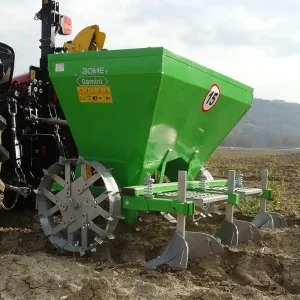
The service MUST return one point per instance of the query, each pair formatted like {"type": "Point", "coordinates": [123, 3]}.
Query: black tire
{"type": "Point", "coordinates": [4, 155]}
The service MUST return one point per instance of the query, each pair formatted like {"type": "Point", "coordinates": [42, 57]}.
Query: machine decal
{"type": "Point", "coordinates": [93, 71]}
{"type": "Point", "coordinates": [93, 88]}
{"type": "Point", "coordinates": [59, 67]}
{"type": "Point", "coordinates": [92, 80]}
{"type": "Point", "coordinates": [95, 94]}
{"type": "Point", "coordinates": [211, 98]}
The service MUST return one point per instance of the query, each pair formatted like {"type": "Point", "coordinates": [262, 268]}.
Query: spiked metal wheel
{"type": "Point", "coordinates": [84, 211]}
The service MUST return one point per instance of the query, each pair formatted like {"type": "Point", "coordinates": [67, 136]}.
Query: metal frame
{"type": "Point", "coordinates": [187, 244]}
{"type": "Point", "coordinates": [182, 198]}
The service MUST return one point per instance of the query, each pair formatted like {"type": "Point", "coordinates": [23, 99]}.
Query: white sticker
{"type": "Point", "coordinates": [211, 98]}
{"type": "Point", "coordinates": [59, 67]}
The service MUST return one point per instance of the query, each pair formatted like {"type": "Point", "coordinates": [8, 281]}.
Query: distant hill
{"type": "Point", "coordinates": [268, 124]}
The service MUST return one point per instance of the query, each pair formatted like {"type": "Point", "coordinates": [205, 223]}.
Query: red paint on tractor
{"type": "Point", "coordinates": [21, 78]}
{"type": "Point", "coordinates": [25, 77]}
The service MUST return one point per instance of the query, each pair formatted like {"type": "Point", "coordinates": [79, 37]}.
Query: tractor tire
{"type": "Point", "coordinates": [4, 155]}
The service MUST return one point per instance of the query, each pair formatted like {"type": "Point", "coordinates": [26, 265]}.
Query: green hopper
{"type": "Point", "coordinates": [145, 121]}
{"type": "Point", "coordinates": [128, 108]}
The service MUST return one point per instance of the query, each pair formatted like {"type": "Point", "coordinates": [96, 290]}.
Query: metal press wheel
{"type": "Point", "coordinates": [85, 211]}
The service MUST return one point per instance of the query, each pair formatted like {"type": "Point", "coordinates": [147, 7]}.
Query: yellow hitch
{"type": "Point", "coordinates": [88, 39]}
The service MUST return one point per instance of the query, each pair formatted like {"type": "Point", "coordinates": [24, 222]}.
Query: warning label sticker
{"type": "Point", "coordinates": [94, 94]}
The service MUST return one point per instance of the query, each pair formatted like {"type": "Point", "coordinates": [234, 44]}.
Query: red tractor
{"type": "Point", "coordinates": [33, 132]}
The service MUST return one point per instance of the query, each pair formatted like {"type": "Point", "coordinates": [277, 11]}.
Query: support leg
{"type": "Point", "coordinates": [265, 219]}
{"type": "Point", "coordinates": [232, 232]}
{"type": "Point", "coordinates": [185, 243]}
{"type": "Point", "coordinates": [176, 254]}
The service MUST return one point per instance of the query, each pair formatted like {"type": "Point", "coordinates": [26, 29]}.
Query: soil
{"type": "Point", "coordinates": [267, 269]}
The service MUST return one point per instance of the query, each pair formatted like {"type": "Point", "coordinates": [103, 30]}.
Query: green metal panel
{"type": "Point", "coordinates": [155, 105]}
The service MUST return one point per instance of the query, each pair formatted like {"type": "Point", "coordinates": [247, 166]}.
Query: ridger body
{"type": "Point", "coordinates": [95, 133]}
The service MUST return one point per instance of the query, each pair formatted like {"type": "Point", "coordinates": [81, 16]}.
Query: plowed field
{"type": "Point", "coordinates": [268, 269]}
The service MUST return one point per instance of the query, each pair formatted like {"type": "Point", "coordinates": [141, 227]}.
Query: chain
{"type": "Point", "coordinates": [12, 206]}
{"type": "Point", "coordinates": [13, 105]}
{"type": "Point", "coordinates": [12, 110]}
{"type": "Point", "coordinates": [15, 201]}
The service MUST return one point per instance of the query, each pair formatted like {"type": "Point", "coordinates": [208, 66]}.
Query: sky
{"type": "Point", "coordinates": [256, 42]}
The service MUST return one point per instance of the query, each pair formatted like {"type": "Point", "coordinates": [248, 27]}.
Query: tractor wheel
{"type": "Point", "coordinates": [79, 205]}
